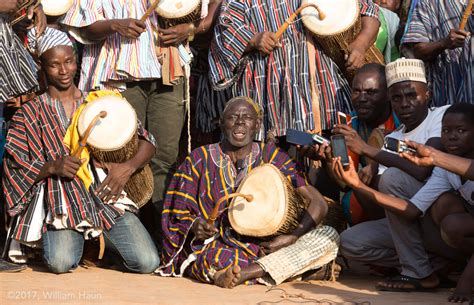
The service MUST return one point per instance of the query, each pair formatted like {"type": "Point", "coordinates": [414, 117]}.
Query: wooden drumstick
{"type": "Point", "coordinates": [149, 11]}
{"type": "Point", "coordinates": [290, 19]}
{"type": "Point", "coordinates": [466, 15]}
{"type": "Point", "coordinates": [215, 210]}
{"type": "Point", "coordinates": [83, 141]}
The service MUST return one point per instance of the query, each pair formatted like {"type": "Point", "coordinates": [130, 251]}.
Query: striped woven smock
{"type": "Point", "coordinates": [451, 74]}
{"type": "Point", "coordinates": [206, 176]}
{"type": "Point", "coordinates": [279, 82]}
{"type": "Point", "coordinates": [108, 64]}
{"type": "Point", "coordinates": [35, 138]}
{"type": "Point", "coordinates": [17, 67]}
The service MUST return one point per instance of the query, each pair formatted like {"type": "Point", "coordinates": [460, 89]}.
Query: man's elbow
{"type": "Point", "coordinates": [421, 51]}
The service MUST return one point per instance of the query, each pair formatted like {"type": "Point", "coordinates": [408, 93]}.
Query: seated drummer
{"type": "Point", "coordinates": [211, 172]}
{"type": "Point", "coordinates": [45, 187]}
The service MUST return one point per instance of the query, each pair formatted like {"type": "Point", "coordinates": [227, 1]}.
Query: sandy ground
{"type": "Point", "coordinates": [100, 286]}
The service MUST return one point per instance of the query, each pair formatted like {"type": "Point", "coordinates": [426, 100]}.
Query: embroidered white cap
{"type": "Point", "coordinates": [404, 69]}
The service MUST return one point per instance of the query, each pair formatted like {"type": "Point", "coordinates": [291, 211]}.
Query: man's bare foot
{"type": "Point", "coordinates": [463, 292]}
{"type": "Point", "coordinates": [228, 278]}
{"type": "Point", "coordinates": [404, 283]}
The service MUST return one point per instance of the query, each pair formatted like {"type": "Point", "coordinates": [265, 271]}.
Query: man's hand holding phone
{"type": "Point", "coordinates": [347, 174]}
{"type": "Point", "coordinates": [398, 146]}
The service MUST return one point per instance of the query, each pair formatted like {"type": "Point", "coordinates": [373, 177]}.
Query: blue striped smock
{"type": "Point", "coordinates": [451, 75]}
{"type": "Point", "coordinates": [279, 82]}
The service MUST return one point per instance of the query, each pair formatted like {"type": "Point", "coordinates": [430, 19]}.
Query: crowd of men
{"type": "Point", "coordinates": [407, 215]}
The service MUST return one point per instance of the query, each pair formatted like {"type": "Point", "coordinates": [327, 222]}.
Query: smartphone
{"type": "Point", "coordinates": [303, 138]}
{"type": "Point", "coordinates": [342, 118]}
{"type": "Point", "coordinates": [398, 146]}
{"type": "Point", "coordinates": [339, 149]}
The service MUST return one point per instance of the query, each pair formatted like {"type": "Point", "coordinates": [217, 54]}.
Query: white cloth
{"type": "Point", "coordinates": [442, 181]}
{"type": "Point", "coordinates": [429, 128]}
{"type": "Point", "coordinates": [313, 250]}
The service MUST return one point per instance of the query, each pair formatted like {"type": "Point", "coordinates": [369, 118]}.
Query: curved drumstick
{"type": "Point", "coordinates": [149, 11]}
{"type": "Point", "coordinates": [215, 210]}
{"type": "Point", "coordinates": [466, 15]}
{"type": "Point", "coordinates": [292, 17]}
{"type": "Point", "coordinates": [26, 6]}
{"type": "Point", "coordinates": [87, 133]}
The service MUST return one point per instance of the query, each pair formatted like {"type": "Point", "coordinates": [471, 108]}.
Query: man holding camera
{"type": "Point", "coordinates": [397, 240]}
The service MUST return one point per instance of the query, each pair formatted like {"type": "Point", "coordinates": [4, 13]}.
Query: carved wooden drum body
{"type": "Point", "coordinates": [115, 139]}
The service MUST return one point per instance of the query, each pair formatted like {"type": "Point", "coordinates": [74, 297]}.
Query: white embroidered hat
{"type": "Point", "coordinates": [404, 69]}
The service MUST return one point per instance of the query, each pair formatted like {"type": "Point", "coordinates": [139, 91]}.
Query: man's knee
{"type": "Point", "coordinates": [393, 181]}
{"type": "Point", "coordinates": [60, 262]}
{"type": "Point", "coordinates": [146, 262]}
{"type": "Point", "coordinates": [351, 247]}
{"type": "Point", "coordinates": [452, 231]}
{"type": "Point", "coordinates": [446, 204]}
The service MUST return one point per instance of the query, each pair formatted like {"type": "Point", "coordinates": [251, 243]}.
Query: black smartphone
{"type": "Point", "coordinates": [339, 149]}
{"type": "Point", "coordinates": [398, 146]}
{"type": "Point", "coordinates": [297, 137]}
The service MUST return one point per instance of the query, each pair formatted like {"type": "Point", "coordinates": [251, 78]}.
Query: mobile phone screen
{"type": "Point", "coordinates": [342, 118]}
{"type": "Point", "coordinates": [391, 144]}
{"type": "Point", "coordinates": [339, 149]}
{"type": "Point", "coordinates": [297, 137]}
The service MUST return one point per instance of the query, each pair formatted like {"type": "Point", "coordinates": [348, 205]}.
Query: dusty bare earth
{"type": "Point", "coordinates": [100, 286]}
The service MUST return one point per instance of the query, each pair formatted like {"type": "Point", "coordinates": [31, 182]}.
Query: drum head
{"type": "Point", "coordinates": [113, 131]}
{"type": "Point", "coordinates": [264, 215]}
{"type": "Point", "coordinates": [172, 9]}
{"type": "Point", "coordinates": [56, 7]}
{"type": "Point", "coordinates": [340, 16]}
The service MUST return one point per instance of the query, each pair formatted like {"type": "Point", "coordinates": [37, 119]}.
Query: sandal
{"type": "Point", "coordinates": [404, 280]}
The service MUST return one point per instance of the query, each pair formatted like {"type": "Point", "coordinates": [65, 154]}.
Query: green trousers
{"type": "Point", "coordinates": [162, 110]}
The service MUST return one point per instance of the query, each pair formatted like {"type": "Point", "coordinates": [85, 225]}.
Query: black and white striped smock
{"type": "Point", "coordinates": [17, 68]}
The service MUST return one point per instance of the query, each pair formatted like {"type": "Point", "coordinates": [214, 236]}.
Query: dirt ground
{"type": "Point", "coordinates": [100, 286]}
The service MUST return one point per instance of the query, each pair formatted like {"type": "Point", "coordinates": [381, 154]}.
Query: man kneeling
{"type": "Point", "coordinates": [217, 254]}
{"type": "Point", "coordinates": [44, 194]}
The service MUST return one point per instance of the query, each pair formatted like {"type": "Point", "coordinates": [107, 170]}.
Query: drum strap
{"type": "Point", "coordinates": [313, 86]}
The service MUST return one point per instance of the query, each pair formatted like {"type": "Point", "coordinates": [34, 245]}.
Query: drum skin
{"type": "Point", "coordinates": [179, 11]}
{"type": "Point", "coordinates": [115, 139]}
{"type": "Point", "coordinates": [341, 15]}
{"type": "Point", "coordinates": [338, 30]}
{"type": "Point", "coordinates": [56, 7]}
{"type": "Point", "coordinates": [276, 207]}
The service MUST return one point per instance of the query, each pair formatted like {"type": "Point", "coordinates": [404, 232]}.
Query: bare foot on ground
{"type": "Point", "coordinates": [463, 292]}
{"type": "Point", "coordinates": [228, 278]}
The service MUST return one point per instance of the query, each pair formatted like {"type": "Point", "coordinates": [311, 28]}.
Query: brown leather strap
{"type": "Point", "coordinates": [101, 246]}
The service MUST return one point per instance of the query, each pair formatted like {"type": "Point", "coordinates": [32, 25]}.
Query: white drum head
{"type": "Point", "coordinates": [264, 215]}
{"type": "Point", "coordinates": [56, 7]}
{"type": "Point", "coordinates": [172, 9]}
{"type": "Point", "coordinates": [113, 131]}
{"type": "Point", "coordinates": [340, 16]}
